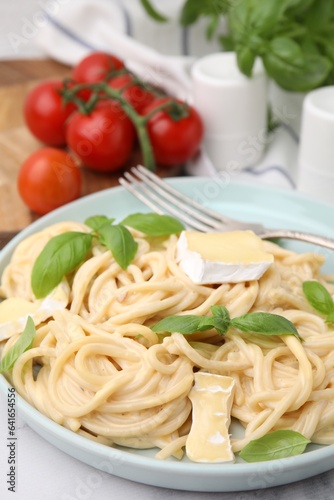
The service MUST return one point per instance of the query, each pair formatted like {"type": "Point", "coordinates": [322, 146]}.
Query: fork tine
{"type": "Point", "coordinates": [202, 213]}
{"type": "Point", "coordinates": [145, 195]}
{"type": "Point", "coordinates": [181, 202]}
{"type": "Point", "coordinates": [162, 198]}
{"type": "Point", "coordinates": [146, 192]}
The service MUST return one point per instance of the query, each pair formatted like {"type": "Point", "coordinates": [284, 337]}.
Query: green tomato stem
{"type": "Point", "coordinates": [139, 121]}
{"type": "Point", "coordinates": [70, 94]}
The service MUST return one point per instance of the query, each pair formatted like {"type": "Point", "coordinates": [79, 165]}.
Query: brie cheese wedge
{"type": "Point", "coordinates": [230, 257]}
{"type": "Point", "coordinates": [212, 398]}
{"type": "Point", "coordinates": [14, 311]}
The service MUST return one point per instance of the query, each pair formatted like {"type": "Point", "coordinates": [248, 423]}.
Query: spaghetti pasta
{"type": "Point", "coordinates": [97, 368]}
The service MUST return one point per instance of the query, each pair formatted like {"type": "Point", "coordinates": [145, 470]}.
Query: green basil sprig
{"type": "Point", "coordinates": [257, 322]}
{"type": "Point", "coordinates": [64, 252]}
{"type": "Point", "coordinates": [21, 345]}
{"type": "Point", "coordinates": [275, 445]}
{"type": "Point", "coordinates": [319, 298]}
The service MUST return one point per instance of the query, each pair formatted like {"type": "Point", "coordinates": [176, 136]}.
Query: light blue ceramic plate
{"type": "Point", "coordinates": [274, 208]}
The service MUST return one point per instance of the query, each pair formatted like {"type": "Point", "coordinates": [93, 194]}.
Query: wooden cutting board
{"type": "Point", "coordinates": [16, 142]}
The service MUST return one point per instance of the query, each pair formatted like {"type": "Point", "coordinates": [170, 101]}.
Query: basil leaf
{"type": "Point", "coordinates": [298, 8]}
{"type": "Point", "coordinates": [265, 324]}
{"type": "Point", "coordinates": [330, 318]}
{"type": "Point", "coordinates": [221, 312]}
{"type": "Point", "coordinates": [121, 243]}
{"type": "Point", "coordinates": [191, 11]}
{"type": "Point", "coordinates": [285, 62]}
{"type": "Point", "coordinates": [222, 320]}
{"type": "Point", "coordinates": [238, 21]}
{"type": "Point", "coordinates": [265, 15]}
{"type": "Point", "coordinates": [319, 15]}
{"type": "Point", "coordinates": [275, 445]}
{"type": "Point", "coordinates": [318, 297]}
{"type": "Point", "coordinates": [262, 323]}
{"type": "Point", "coordinates": [227, 42]}
{"type": "Point", "coordinates": [246, 59]}
{"type": "Point", "coordinates": [329, 49]}
{"type": "Point", "coordinates": [287, 51]}
{"type": "Point", "coordinates": [61, 255]}
{"type": "Point", "coordinates": [212, 27]}
{"type": "Point", "coordinates": [153, 224]}
{"type": "Point", "coordinates": [22, 344]}
{"type": "Point", "coordinates": [96, 221]}
{"type": "Point", "coordinates": [152, 12]}
{"type": "Point", "coordinates": [189, 324]}
{"type": "Point", "coordinates": [186, 324]}
{"type": "Point", "coordinates": [209, 322]}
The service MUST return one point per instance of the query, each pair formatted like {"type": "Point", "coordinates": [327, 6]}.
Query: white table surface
{"type": "Point", "coordinates": [43, 471]}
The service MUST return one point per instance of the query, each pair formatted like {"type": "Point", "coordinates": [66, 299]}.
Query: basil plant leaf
{"type": "Point", "coordinates": [61, 255]}
{"type": "Point", "coordinates": [275, 445]}
{"type": "Point", "coordinates": [246, 60]}
{"type": "Point", "coordinates": [319, 15]}
{"type": "Point", "coordinates": [120, 242]}
{"type": "Point", "coordinates": [23, 343]}
{"type": "Point", "coordinates": [152, 12]}
{"type": "Point", "coordinates": [97, 221]}
{"type": "Point", "coordinates": [297, 8]}
{"type": "Point", "coordinates": [285, 62]}
{"type": "Point", "coordinates": [212, 27]}
{"type": "Point", "coordinates": [153, 224]}
{"type": "Point", "coordinates": [287, 51]}
{"type": "Point", "coordinates": [238, 21]}
{"type": "Point", "coordinates": [265, 15]}
{"type": "Point", "coordinates": [318, 297]}
{"type": "Point", "coordinates": [265, 324]}
{"type": "Point", "coordinates": [192, 10]}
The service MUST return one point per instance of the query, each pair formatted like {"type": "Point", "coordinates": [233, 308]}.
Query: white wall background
{"type": "Point", "coordinates": [20, 20]}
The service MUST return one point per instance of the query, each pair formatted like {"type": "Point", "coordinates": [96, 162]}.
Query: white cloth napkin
{"type": "Point", "coordinates": [277, 167]}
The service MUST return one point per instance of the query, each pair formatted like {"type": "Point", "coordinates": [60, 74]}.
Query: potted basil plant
{"type": "Point", "coordinates": [294, 38]}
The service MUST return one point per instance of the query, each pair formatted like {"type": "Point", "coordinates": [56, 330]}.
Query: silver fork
{"type": "Point", "coordinates": [164, 199]}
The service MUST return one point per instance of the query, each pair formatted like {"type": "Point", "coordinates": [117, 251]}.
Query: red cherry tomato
{"type": "Point", "coordinates": [48, 179]}
{"type": "Point", "coordinates": [46, 114]}
{"type": "Point", "coordinates": [136, 95]}
{"type": "Point", "coordinates": [95, 67]}
{"type": "Point", "coordinates": [102, 140]}
{"type": "Point", "coordinates": [174, 141]}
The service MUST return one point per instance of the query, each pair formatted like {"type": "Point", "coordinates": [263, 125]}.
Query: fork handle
{"type": "Point", "coordinates": [321, 241]}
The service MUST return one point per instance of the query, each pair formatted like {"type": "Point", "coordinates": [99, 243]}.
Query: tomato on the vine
{"type": "Point", "coordinates": [96, 67]}
{"type": "Point", "coordinates": [48, 179]}
{"type": "Point", "coordinates": [46, 114]}
{"type": "Point", "coordinates": [103, 139]}
{"type": "Point", "coordinates": [174, 139]}
{"type": "Point", "coordinates": [135, 94]}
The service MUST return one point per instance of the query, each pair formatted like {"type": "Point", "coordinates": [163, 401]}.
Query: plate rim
{"type": "Point", "coordinates": [311, 458]}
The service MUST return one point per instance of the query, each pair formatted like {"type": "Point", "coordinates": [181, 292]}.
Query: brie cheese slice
{"type": "Point", "coordinates": [212, 398]}
{"type": "Point", "coordinates": [14, 311]}
{"type": "Point", "coordinates": [230, 257]}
